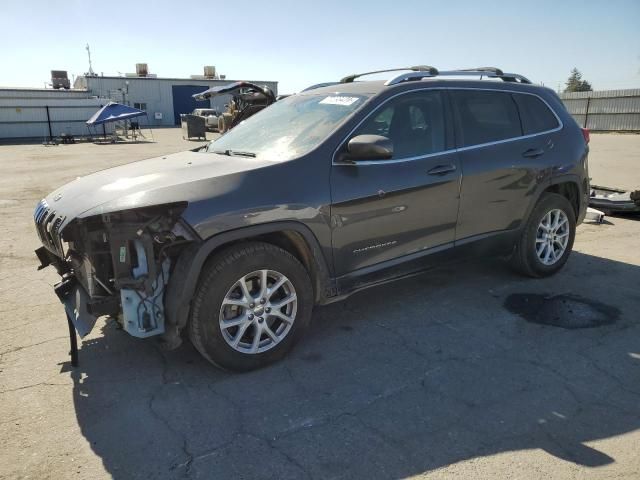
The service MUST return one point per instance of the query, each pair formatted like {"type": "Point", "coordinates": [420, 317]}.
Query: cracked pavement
{"type": "Point", "coordinates": [429, 377]}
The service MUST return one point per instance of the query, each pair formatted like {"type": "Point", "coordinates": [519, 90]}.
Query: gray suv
{"type": "Point", "coordinates": [321, 194]}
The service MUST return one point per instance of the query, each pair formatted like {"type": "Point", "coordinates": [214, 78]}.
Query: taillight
{"type": "Point", "coordinates": [585, 134]}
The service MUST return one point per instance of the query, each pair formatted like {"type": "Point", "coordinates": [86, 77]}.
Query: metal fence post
{"type": "Point", "coordinates": [49, 123]}
{"type": "Point", "coordinates": [586, 114]}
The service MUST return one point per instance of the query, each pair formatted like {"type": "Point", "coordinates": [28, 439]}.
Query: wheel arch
{"type": "Point", "coordinates": [292, 236]}
{"type": "Point", "coordinates": [563, 185]}
{"type": "Point", "coordinates": [525, 255]}
{"type": "Point", "coordinates": [568, 188]}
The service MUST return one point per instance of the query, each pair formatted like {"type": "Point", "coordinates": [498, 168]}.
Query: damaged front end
{"type": "Point", "coordinates": [116, 264]}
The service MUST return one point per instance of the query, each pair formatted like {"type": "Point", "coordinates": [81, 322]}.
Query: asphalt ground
{"type": "Point", "coordinates": [452, 374]}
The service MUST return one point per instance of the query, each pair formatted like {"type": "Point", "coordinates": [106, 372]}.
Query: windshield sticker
{"type": "Point", "coordinates": [344, 101]}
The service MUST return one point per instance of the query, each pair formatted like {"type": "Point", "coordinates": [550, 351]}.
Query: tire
{"type": "Point", "coordinates": [526, 257]}
{"type": "Point", "coordinates": [217, 303]}
{"type": "Point", "coordinates": [224, 122]}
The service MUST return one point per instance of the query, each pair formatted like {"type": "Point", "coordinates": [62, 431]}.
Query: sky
{"type": "Point", "coordinates": [305, 42]}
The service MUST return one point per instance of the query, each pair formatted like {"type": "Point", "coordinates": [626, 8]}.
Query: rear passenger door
{"type": "Point", "coordinates": [504, 158]}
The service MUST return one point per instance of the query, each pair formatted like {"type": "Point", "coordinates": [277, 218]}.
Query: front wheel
{"type": "Point", "coordinates": [547, 238]}
{"type": "Point", "coordinates": [252, 304]}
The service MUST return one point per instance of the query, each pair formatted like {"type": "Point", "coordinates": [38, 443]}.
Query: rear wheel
{"type": "Point", "coordinates": [547, 238]}
{"type": "Point", "coordinates": [253, 303]}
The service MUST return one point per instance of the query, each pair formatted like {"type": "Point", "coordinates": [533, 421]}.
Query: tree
{"type": "Point", "coordinates": [575, 83]}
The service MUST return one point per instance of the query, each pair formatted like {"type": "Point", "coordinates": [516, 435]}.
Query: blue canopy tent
{"type": "Point", "coordinates": [113, 112]}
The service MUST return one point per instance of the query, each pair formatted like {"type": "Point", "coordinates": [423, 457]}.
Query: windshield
{"type": "Point", "coordinates": [289, 128]}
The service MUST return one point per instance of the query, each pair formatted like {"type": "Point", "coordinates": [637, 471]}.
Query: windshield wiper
{"type": "Point", "coordinates": [235, 153]}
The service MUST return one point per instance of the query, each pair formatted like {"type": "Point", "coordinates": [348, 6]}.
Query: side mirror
{"type": "Point", "coordinates": [370, 147]}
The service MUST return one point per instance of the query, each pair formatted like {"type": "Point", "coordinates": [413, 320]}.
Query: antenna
{"type": "Point", "coordinates": [89, 55]}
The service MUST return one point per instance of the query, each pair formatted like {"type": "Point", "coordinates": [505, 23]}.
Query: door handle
{"type": "Point", "coordinates": [442, 169]}
{"type": "Point", "coordinates": [533, 153]}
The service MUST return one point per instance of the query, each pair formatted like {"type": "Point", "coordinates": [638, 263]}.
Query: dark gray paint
{"type": "Point", "coordinates": [341, 205]}
{"type": "Point", "coordinates": [383, 210]}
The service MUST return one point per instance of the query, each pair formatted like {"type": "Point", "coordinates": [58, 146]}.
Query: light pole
{"type": "Point", "coordinates": [125, 92]}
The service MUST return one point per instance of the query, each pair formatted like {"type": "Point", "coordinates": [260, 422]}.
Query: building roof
{"type": "Point", "coordinates": [188, 79]}
{"type": "Point", "coordinates": [48, 90]}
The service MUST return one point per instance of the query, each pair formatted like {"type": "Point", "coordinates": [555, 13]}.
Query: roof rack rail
{"type": "Point", "coordinates": [493, 70]}
{"type": "Point", "coordinates": [418, 68]}
{"type": "Point", "coordinates": [405, 77]}
{"type": "Point", "coordinates": [490, 72]}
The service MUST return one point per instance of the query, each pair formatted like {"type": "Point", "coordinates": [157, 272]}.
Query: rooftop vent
{"type": "Point", "coordinates": [142, 70]}
{"type": "Point", "coordinates": [60, 79]}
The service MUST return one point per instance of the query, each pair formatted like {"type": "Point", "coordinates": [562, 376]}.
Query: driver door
{"type": "Point", "coordinates": [384, 210]}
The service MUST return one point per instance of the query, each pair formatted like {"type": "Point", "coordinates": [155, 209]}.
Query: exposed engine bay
{"type": "Point", "coordinates": [116, 264]}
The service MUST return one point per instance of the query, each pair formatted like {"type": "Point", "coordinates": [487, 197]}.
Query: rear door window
{"type": "Point", "coordinates": [485, 116]}
{"type": "Point", "coordinates": [535, 114]}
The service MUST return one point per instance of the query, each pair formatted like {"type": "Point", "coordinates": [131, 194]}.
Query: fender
{"type": "Point", "coordinates": [186, 273]}
{"type": "Point", "coordinates": [567, 178]}
{"type": "Point", "coordinates": [582, 184]}
{"type": "Point", "coordinates": [543, 186]}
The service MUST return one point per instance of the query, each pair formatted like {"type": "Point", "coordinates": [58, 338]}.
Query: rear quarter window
{"type": "Point", "coordinates": [535, 115]}
{"type": "Point", "coordinates": [485, 117]}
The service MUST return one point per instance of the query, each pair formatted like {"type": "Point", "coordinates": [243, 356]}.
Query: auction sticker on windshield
{"type": "Point", "coordinates": [344, 101]}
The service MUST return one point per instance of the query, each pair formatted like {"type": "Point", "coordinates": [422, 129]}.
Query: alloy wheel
{"type": "Point", "coordinates": [552, 237]}
{"type": "Point", "coordinates": [258, 311]}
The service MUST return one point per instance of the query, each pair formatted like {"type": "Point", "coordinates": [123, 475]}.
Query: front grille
{"type": "Point", "coordinates": [48, 227]}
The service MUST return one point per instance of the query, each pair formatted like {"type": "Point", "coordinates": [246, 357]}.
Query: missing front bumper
{"type": "Point", "coordinates": [75, 301]}
{"type": "Point", "coordinates": [79, 319]}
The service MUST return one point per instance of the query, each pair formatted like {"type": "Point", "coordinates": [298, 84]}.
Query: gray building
{"type": "Point", "coordinates": [40, 113]}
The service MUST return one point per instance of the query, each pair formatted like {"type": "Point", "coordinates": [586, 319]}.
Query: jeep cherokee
{"type": "Point", "coordinates": [319, 195]}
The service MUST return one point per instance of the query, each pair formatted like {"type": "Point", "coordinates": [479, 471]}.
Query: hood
{"type": "Point", "coordinates": [251, 91]}
{"type": "Point", "coordinates": [186, 176]}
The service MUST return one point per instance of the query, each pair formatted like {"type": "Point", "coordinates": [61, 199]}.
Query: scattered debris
{"type": "Point", "coordinates": [594, 215]}
{"type": "Point", "coordinates": [564, 310]}
{"type": "Point", "coordinates": [614, 200]}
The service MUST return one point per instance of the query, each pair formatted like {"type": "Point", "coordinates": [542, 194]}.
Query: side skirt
{"type": "Point", "coordinates": [491, 244]}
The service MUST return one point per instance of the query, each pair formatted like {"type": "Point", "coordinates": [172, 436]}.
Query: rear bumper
{"type": "Point", "coordinates": [611, 200]}
{"type": "Point", "coordinates": [613, 206]}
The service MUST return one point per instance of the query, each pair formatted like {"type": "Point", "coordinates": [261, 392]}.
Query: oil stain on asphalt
{"type": "Point", "coordinates": [565, 311]}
